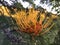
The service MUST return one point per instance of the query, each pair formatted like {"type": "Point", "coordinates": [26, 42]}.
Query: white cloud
{"type": "Point", "coordinates": [25, 4]}
{"type": "Point", "coordinates": [9, 2]}
{"type": "Point", "coordinates": [37, 3]}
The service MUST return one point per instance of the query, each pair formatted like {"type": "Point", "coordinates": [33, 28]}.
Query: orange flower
{"type": "Point", "coordinates": [34, 29]}
{"type": "Point", "coordinates": [38, 28]}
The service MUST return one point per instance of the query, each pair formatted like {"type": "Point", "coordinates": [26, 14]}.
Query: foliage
{"type": "Point", "coordinates": [12, 25]}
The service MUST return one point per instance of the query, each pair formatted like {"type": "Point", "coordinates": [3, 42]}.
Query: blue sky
{"type": "Point", "coordinates": [37, 3]}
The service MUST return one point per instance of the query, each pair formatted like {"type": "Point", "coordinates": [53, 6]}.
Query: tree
{"type": "Point", "coordinates": [46, 17]}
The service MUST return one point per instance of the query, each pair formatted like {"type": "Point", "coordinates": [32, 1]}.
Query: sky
{"type": "Point", "coordinates": [37, 3]}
